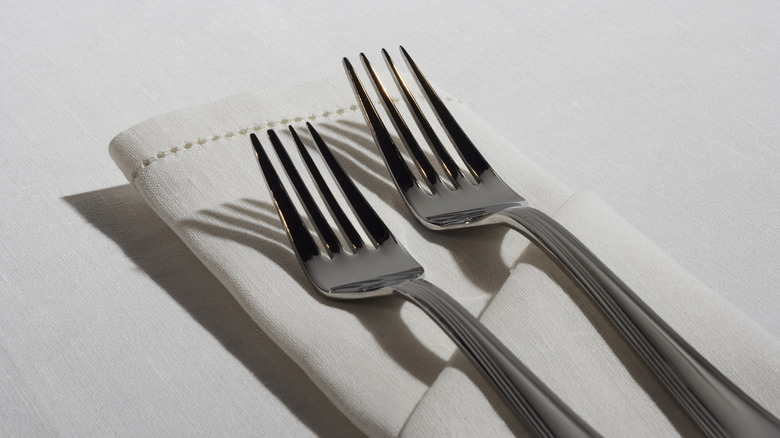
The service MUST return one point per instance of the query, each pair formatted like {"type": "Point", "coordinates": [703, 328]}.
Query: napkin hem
{"type": "Point", "coordinates": [187, 145]}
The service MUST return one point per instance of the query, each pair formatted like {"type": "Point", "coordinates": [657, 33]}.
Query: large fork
{"type": "Point", "coordinates": [714, 402]}
{"type": "Point", "coordinates": [383, 267]}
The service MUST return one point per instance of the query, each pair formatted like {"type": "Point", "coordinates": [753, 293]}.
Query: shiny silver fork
{"type": "Point", "coordinates": [714, 402]}
{"type": "Point", "coordinates": [383, 267]}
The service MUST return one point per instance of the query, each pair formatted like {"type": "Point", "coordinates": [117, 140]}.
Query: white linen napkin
{"type": "Point", "coordinates": [383, 362]}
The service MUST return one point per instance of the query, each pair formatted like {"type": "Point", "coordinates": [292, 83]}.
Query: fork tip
{"type": "Point", "coordinates": [255, 140]}
{"type": "Point", "coordinates": [258, 148]}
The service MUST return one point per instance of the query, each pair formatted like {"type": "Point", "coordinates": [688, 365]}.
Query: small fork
{"type": "Point", "coordinates": [383, 267]}
{"type": "Point", "coordinates": [716, 405]}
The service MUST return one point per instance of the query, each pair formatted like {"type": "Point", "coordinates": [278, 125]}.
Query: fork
{"type": "Point", "coordinates": [448, 200]}
{"type": "Point", "coordinates": [382, 266]}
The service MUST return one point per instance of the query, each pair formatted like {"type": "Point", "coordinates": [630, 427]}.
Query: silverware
{"type": "Point", "coordinates": [714, 402]}
{"type": "Point", "coordinates": [383, 267]}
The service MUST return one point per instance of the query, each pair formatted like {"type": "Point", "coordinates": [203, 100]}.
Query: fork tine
{"type": "Point", "coordinates": [395, 162]}
{"type": "Point", "coordinates": [320, 224]}
{"type": "Point", "coordinates": [424, 166]}
{"type": "Point", "coordinates": [301, 240]}
{"type": "Point", "coordinates": [449, 165]}
{"type": "Point", "coordinates": [471, 156]}
{"type": "Point", "coordinates": [371, 222]}
{"type": "Point", "coordinates": [338, 213]}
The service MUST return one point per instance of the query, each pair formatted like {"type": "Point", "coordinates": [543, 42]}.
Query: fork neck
{"type": "Point", "coordinates": [531, 400]}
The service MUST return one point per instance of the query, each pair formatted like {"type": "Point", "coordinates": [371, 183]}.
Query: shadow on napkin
{"type": "Point", "coordinates": [122, 215]}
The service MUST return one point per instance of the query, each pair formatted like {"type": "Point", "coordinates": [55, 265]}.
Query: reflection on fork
{"type": "Point", "coordinates": [381, 266]}
{"type": "Point", "coordinates": [449, 200]}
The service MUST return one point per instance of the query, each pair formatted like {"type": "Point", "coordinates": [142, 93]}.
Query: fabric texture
{"type": "Point", "coordinates": [383, 362]}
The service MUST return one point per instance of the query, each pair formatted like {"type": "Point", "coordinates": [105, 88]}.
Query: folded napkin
{"type": "Point", "coordinates": [383, 362]}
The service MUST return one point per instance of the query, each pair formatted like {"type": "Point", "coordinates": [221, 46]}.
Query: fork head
{"type": "Point", "coordinates": [368, 268]}
{"type": "Point", "coordinates": [440, 200]}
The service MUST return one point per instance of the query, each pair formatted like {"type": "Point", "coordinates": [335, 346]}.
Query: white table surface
{"type": "Point", "coordinates": [110, 327]}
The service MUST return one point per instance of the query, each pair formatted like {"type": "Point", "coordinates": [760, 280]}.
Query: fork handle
{"type": "Point", "coordinates": [709, 397]}
{"type": "Point", "coordinates": [530, 399]}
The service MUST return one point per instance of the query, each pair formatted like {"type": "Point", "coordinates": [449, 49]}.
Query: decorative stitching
{"type": "Point", "coordinates": [245, 131]}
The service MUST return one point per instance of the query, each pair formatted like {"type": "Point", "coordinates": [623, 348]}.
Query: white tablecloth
{"type": "Point", "coordinates": [110, 327]}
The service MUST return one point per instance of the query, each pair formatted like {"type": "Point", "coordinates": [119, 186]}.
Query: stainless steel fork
{"type": "Point", "coordinates": [714, 402]}
{"type": "Point", "coordinates": [383, 267]}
